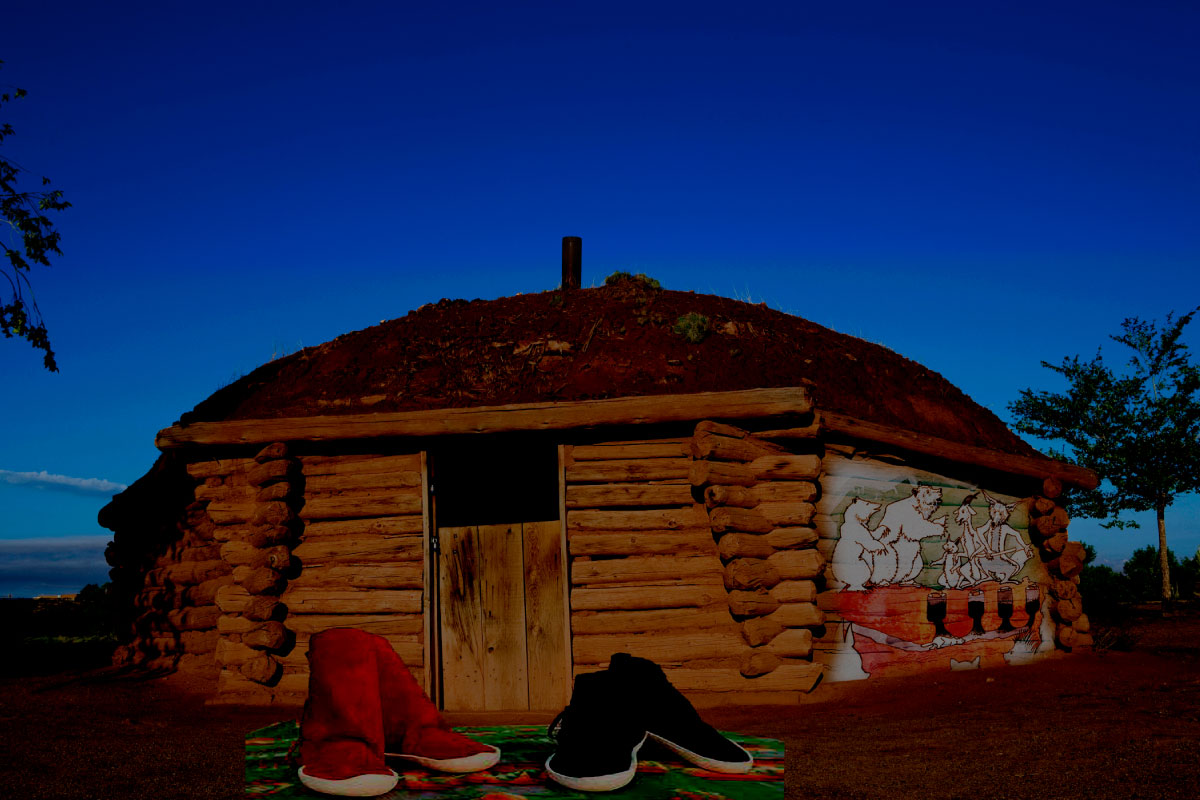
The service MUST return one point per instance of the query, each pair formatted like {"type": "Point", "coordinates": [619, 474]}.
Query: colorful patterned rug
{"type": "Point", "coordinates": [520, 774]}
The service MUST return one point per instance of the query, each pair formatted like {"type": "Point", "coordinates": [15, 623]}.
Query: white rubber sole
{"type": "Point", "coordinates": [475, 763]}
{"type": "Point", "coordinates": [358, 786]}
{"type": "Point", "coordinates": [598, 783]}
{"type": "Point", "coordinates": [731, 767]}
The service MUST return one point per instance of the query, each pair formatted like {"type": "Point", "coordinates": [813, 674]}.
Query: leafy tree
{"type": "Point", "coordinates": [1138, 428]}
{"type": "Point", "coordinates": [32, 241]}
{"type": "Point", "coordinates": [1144, 571]}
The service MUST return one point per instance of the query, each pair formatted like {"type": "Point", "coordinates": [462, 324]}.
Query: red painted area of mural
{"type": "Point", "coordinates": [900, 630]}
{"type": "Point", "coordinates": [882, 661]}
{"type": "Point", "coordinates": [902, 611]}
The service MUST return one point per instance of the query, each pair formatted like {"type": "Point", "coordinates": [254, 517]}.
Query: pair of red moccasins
{"type": "Point", "coordinates": [364, 705]}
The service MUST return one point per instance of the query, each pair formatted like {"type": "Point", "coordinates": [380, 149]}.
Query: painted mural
{"type": "Point", "coordinates": [925, 572]}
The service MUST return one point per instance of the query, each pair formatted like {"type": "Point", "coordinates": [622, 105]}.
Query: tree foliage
{"type": "Point", "coordinates": [1138, 428]}
{"type": "Point", "coordinates": [31, 241]}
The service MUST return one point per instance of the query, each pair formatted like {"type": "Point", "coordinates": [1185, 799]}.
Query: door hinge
{"type": "Point", "coordinates": [435, 545]}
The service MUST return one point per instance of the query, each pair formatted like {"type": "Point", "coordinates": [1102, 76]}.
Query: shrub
{"type": "Point", "coordinates": [645, 280]}
{"type": "Point", "coordinates": [692, 327]}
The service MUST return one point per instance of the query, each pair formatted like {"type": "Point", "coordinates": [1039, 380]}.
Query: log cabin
{"type": "Point", "coordinates": [512, 490]}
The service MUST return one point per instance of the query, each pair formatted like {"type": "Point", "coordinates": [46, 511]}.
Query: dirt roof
{"type": "Point", "coordinates": [620, 340]}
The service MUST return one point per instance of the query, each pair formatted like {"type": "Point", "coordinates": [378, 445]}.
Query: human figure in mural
{"type": "Point", "coordinates": [908, 522]}
{"type": "Point", "coordinates": [971, 544]}
{"type": "Point", "coordinates": [1004, 551]}
{"type": "Point", "coordinates": [858, 546]}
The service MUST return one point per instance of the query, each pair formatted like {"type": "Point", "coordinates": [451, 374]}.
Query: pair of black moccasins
{"type": "Point", "coordinates": [611, 715]}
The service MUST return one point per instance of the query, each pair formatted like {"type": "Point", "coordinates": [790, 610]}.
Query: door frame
{"type": "Point", "coordinates": [434, 684]}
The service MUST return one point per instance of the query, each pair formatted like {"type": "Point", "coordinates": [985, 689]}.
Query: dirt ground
{"type": "Point", "coordinates": [1095, 725]}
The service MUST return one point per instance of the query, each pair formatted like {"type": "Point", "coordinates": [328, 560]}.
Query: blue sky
{"type": "Point", "coordinates": [976, 187]}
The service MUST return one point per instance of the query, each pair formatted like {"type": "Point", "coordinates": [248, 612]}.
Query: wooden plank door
{"type": "Point", "coordinates": [547, 627]}
{"type": "Point", "coordinates": [503, 620]}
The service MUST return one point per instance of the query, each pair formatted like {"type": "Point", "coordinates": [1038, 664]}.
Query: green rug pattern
{"type": "Point", "coordinates": [520, 773]}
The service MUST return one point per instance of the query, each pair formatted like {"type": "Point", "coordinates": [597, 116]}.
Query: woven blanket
{"type": "Point", "coordinates": [520, 773]}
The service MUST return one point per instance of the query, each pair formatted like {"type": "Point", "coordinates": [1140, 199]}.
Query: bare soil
{"type": "Point", "coordinates": [1098, 725]}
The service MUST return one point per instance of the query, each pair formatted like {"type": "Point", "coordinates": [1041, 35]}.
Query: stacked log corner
{"type": "Point", "coordinates": [166, 566]}
{"type": "Point", "coordinates": [1064, 561]}
{"type": "Point", "coordinates": [252, 504]}
{"type": "Point", "coordinates": [759, 500]}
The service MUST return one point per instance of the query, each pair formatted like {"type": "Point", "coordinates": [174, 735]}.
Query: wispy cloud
{"type": "Point", "coordinates": [62, 483]}
{"type": "Point", "coordinates": [51, 565]}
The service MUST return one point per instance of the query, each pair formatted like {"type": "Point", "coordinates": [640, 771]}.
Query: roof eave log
{"type": "Point", "coordinates": [746, 404]}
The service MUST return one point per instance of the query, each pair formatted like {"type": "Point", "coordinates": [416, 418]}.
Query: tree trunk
{"type": "Point", "coordinates": [1163, 559]}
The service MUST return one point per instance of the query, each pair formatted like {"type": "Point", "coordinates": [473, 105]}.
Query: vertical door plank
{"type": "Point", "coordinates": [463, 653]}
{"type": "Point", "coordinates": [505, 674]}
{"type": "Point", "coordinates": [546, 617]}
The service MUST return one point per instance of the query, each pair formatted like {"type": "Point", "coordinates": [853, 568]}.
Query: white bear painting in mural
{"type": "Point", "coordinates": [908, 522]}
{"type": "Point", "coordinates": [891, 552]}
{"type": "Point", "coordinates": [857, 548]}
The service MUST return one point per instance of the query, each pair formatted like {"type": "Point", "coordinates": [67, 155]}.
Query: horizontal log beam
{"type": "Point", "coordinates": [792, 643]}
{"type": "Point", "coordinates": [798, 615]}
{"type": "Point", "coordinates": [724, 448]}
{"type": "Point", "coordinates": [382, 624]}
{"type": "Point", "coordinates": [769, 492]}
{"type": "Point", "coordinates": [797, 564]}
{"type": "Point", "coordinates": [218, 467]}
{"type": "Point", "coordinates": [732, 518]}
{"type": "Point", "coordinates": [746, 404]}
{"type": "Point", "coordinates": [599, 598]}
{"type": "Point", "coordinates": [675, 519]}
{"type": "Point", "coordinates": [318, 484]}
{"type": "Point", "coordinates": [703, 473]}
{"type": "Point", "coordinates": [641, 543]}
{"type": "Point", "coordinates": [614, 495]}
{"type": "Point", "coordinates": [645, 469]}
{"type": "Point", "coordinates": [793, 591]}
{"type": "Point", "coordinates": [657, 647]}
{"type": "Point", "coordinates": [648, 569]}
{"type": "Point", "coordinates": [360, 464]}
{"type": "Point", "coordinates": [785, 467]}
{"type": "Point", "coordinates": [410, 649]}
{"type": "Point", "coordinates": [375, 601]}
{"type": "Point", "coordinates": [788, 538]}
{"type": "Point", "coordinates": [1031, 466]}
{"type": "Point", "coordinates": [590, 623]}
{"type": "Point", "coordinates": [360, 505]}
{"type": "Point", "coordinates": [389, 526]}
{"type": "Point", "coordinates": [608, 452]}
{"type": "Point", "coordinates": [351, 547]}
{"type": "Point", "coordinates": [396, 575]}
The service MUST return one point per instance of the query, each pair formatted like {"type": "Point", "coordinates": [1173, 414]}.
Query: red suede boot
{"type": "Point", "coordinates": [341, 730]}
{"type": "Point", "coordinates": [414, 730]}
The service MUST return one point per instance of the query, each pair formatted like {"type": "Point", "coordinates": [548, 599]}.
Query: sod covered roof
{"type": "Point", "coordinates": [621, 340]}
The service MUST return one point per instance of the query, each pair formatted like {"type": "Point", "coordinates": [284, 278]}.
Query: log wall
{"type": "Point", "coordinates": [651, 561]}
{"type": "Point", "coordinates": [314, 542]}
{"type": "Point", "coordinates": [166, 565]}
{"type": "Point", "coordinates": [360, 562]}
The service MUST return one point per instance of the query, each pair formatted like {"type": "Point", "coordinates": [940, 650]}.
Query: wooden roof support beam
{"type": "Point", "coordinates": [746, 404]}
{"type": "Point", "coordinates": [1039, 467]}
